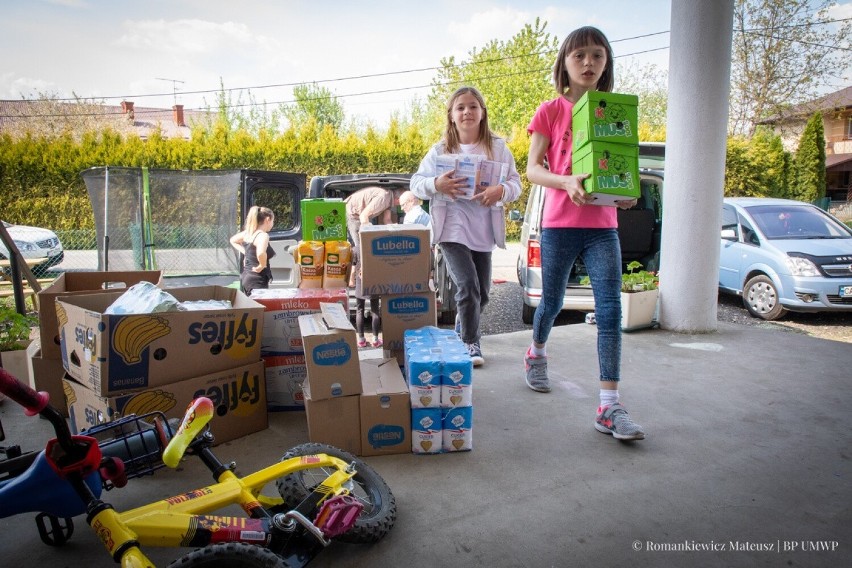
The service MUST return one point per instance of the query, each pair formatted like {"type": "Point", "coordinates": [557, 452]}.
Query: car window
{"type": "Point", "coordinates": [795, 222]}
{"type": "Point", "coordinates": [729, 220]}
{"type": "Point", "coordinates": [749, 234]}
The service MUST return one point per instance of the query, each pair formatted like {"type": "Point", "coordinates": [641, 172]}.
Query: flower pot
{"type": "Point", "coordinates": [17, 364]}
{"type": "Point", "coordinates": [638, 309]}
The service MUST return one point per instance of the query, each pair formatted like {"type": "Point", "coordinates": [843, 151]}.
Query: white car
{"type": "Point", "coordinates": [34, 243]}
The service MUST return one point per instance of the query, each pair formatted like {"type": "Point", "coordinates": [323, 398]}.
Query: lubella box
{"type": "Point", "coordinates": [605, 117]}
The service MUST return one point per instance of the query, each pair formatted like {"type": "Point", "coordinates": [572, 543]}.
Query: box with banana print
{"type": "Point", "coordinates": [238, 394]}
{"type": "Point", "coordinates": [113, 354]}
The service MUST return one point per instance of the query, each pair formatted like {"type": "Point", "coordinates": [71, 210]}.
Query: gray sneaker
{"type": "Point", "coordinates": [536, 373]}
{"type": "Point", "coordinates": [475, 353]}
{"type": "Point", "coordinates": [614, 420]}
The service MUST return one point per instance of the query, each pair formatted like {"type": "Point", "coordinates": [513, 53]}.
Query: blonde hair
{"type": "Point", "coordinates": [451, 135]}
{"type": "Point", "coordinates": [256, 217]}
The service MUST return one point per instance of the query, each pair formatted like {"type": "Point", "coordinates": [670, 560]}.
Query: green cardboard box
{"type": "Point", "coordinates": [323, 220]}
{"type": "Point", "coordinates": [614, 170]}
{"type": "Point", "coordinates": [605, 117]}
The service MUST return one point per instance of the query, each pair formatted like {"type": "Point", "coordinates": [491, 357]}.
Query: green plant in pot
{"type": "Point", "coordinates": [639, 291]}
{"type": "Point", "coordinates": [634, 280]}
{"type": "Point", "coordinates": [15, 330]}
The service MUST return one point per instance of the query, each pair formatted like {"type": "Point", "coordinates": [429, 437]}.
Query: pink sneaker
{"type": "Point", "coordinates": [362, 343]}
{"type": "Point", "coordinates": [378, 343]}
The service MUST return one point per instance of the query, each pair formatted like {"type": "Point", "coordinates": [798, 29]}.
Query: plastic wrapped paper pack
{"type": "Point", "coordinates": [144, 298]}
{"type": "Point", "coordinates": [198, 305]}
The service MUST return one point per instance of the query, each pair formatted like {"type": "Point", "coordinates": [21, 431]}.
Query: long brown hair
{"type": "Point", "coordinates": [451, 135]}
{"type": "Point", "coordinates": [582, 37]}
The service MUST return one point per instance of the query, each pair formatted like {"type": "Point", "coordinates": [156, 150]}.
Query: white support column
{"type": "Point", "coordinates": [696, 132]}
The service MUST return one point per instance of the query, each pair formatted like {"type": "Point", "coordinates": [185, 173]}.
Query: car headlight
{"type": "Point", "coordinates": [22, 246]}
{"type": "Point", "coordinates": [801, 266]}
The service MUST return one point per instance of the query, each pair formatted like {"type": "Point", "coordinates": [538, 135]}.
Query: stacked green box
{"type": "Point", "coordinates": [323, 220]}
{"type": "Point", "coordinates": [606, 145]}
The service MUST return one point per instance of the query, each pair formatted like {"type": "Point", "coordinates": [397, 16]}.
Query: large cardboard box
{"type": "Point", "coordinates": [335, 421]}
{"type": "Point", "coordinates": [323, 220]}
{"type": "Point", "coordinates": [46, 375]}
{"type": "Point", "coordinates": [404, 312]}
{"type": "Point", "coordinates": [282, 308]}
{"type": "Point", "coordinates": [77, 284]}
{"type": "Point", "coordinates": [285, 375]}
{"type": "Point", "coordinates": [395, 259]}
{"type": "Point", "coordinates": [385, 409]}
{"type": "Point", "coordinates": [614, 170]}
{"type": "Point", "coordinates": [605, 117]}
{"type": "Point", "coordinates": [116, 353]}
{"type": "Point", "coordinates": [331, 352]}
{"type": "Point", "coordinates": [238, 395]}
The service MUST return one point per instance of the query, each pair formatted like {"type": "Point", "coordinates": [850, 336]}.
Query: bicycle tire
{"type": "Point", "coordinates": [379, 513]}
{"type": "Point", "coordinates": [230, 555]}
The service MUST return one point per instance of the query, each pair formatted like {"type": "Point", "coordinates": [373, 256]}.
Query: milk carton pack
{"type": "Point", "coordinates": [480, 173]}
{"type": "Point", "coordinates": [285, 375]}
{"type": "Point", "coordinates": [282, 308]}
{"type": "Point", "coordinates": [457, 429]}
{"type": "Point", "coordinates": [426, 431]}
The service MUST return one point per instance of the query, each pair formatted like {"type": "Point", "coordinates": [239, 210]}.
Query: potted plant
{"type": "Point", "coordinates": [639, 292]}
{"type": "Point", "coordinates": [15, 330]}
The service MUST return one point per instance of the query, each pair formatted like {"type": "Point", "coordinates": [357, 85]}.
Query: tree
{"type": "Point", "coordinates": [810, 162]}
{"type": "Point", "coordinates": [757, 167]}
{"type": "Point", "coordinates": [783, 52]}
{"type": "Point", "coordinates": [650, 84]}
{"type": "Point", "coordinates": [319, 103]}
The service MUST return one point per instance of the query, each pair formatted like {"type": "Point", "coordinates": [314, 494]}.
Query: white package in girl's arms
{"type": "Point", "coordinates": [465, 165]}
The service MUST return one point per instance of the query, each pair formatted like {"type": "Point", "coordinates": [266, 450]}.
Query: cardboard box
{"type": "Point", "coordinates": [605, 117]}
{"type": "Point", "coordinates": [614, 170]}
{"type": "Point", "coordinates": [46, 375]}
{"type": "Point", "coordinates": [323, 220]}
{"type": "Point", "coordinates": [282, 308]}
{"type": "Point", "coordinates": [78, 284]}
{"type": "Point", "coordinates": [396, 259]}
{"type": "Point", "coordinates": [335, 421]}
{"type": "Point", "coordinates": [403, 312]}
{"type": "Point", "coordinates": [385, 409]}
{"type": "Point", "coordinates": [116, 353]}
{"type": "Point", "coordinates": [238, 394]}
{"type": "Point", "coordinates": [331, 352]}
{"type": "Point", "coordinates": [285, 375]}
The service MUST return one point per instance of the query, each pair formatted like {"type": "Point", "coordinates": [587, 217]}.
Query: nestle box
{"type": "Point", "coordinates": [614, 170]}
{"type": "Point", "coordinates": [323, 220]}
{"type": "Point", "coordinates": [385, 409]}
{"type": "Point", "coordinates": [403, 312]}
{"type": "Point", "coordinates": [605, 117]}
{"type": "Point", "coordinates": [335, 421]}
{"type": "Point", "coordinates": [46, 375]}
{"type": "Point", "coordinates": [395, 259]}
{"type": "Point", "coordinates": [331, 352]}
{"type": "Point", "coordinates": [282, 308]}
{"type": "Point", "coordinates": [77, 284]}
{"type": "Point", "coordinates": [284, 377]}
{"type": "Point", "coordinates": [239, 396]}
{"type": "Point", "coordinates": [116, 353]}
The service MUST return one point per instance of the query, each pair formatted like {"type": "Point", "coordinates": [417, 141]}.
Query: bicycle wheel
{"type": "Point", "coordinates": [379, 512]}
{"type": "Point", "coordinates": [230, 555]}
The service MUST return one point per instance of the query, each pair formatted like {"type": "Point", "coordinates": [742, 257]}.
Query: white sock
{"type": "Point", "coordinates": [608, 397]}
{"type": "Point", "coordinates": [538, 352]}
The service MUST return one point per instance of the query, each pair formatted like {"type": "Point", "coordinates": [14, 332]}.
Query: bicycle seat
{"type": "Point", "coordinates": [40, 490]}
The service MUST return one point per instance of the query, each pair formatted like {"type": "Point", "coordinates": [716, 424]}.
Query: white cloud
{"type": "Point", "coordinates": [840, 11]}
{"type": "Point", "coordinates": [495, 23]}
{"type": "Point", "coordinates": [189, 36]}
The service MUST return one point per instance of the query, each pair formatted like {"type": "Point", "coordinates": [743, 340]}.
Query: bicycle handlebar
{"type": "Point", "coordinates": [32, 401]}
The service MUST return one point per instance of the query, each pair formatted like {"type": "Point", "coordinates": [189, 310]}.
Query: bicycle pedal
{"type": "Point", "coordinates": [338, 514]}
{"type": "Point", "coordinates": [59, 532]}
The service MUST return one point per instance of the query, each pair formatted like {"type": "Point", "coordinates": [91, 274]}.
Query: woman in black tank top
{"type": "Point", "coordinates": [253, 243]}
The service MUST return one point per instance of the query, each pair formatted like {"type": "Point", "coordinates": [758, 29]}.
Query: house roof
{"type": "Point", "coordinates": [838, 100]}
{"type": "Point", "coordinates": [835, 161]}
{"type": "Point", "coordinates": [126, 117]}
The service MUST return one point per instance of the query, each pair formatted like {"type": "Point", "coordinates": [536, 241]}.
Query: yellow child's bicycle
{"type": "Point", "coordinates": [321, 492]}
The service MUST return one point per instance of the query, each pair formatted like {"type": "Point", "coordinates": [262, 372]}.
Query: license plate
{"type": "Point", "coordinates": [846, 291]}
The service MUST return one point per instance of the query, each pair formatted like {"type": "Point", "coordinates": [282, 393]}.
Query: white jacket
{"type": "Point", "coordinates": [423, 186]}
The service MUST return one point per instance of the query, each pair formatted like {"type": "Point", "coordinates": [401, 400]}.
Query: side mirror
{"type": "Point", "coordinates": [515, 215]}
{"type": "Point", "coordinates": [729, 235]}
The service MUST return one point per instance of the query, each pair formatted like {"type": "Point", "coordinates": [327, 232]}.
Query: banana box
{"type": "Point", "coordinates": [605, 117]}
{"type": "Point", "coordinates": [238, 394]}
{"type": "Point", "coordinates": [117, 353]}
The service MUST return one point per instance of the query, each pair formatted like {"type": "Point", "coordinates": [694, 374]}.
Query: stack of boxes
{"type": "Point", "coordinates": [606, 145]}
{"type": "Point", "coordinates": [440, 382]}
{"type": "Point", "coordinates": [120, 364]}
{"type": "Point", "coordinates": [324, 254]}
{"type": "Point", "coordinates": [396, 264]}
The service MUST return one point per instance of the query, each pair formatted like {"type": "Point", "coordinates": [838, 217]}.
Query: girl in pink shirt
{"type": "Point", "coordinates": [572, 227]}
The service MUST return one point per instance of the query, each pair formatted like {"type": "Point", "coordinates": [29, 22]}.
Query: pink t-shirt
{"type": "Point", "coordinates": [553, 120]}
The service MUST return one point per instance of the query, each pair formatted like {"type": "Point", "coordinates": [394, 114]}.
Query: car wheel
{"type": "Point", "coordinates": [527, 314]}
{"type": "Point", "coordinates": [761, 298]}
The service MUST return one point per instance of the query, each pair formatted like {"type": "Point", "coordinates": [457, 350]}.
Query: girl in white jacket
{"type": "Point", "coordinates": [467, 228]}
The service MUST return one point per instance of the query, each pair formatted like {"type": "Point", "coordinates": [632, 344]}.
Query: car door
{"type": "Point", "coordinates": [738, 243]}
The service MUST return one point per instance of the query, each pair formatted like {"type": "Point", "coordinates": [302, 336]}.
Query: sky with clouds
{"type": "Point", "coordinates": [186, 50]}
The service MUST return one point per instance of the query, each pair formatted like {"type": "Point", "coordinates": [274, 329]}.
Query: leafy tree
{"type": "Point", "coordinates": [233, 115]}
{"type": "Point", "coordinates": [319, 103]}
{"type": "Point", "coordinates": [757, 167]}
{"type": "Point", "coordinates": [784, 51]}
{"type": "Point", "coordinates": [810, 162]}
{"type": "Point", "coordinates": [649, 83]}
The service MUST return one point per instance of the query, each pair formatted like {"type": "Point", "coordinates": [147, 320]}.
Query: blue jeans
{"type": "Point", "coordinates": [602, 255]}
{"type": "Point", "coordinates": [471, 273]}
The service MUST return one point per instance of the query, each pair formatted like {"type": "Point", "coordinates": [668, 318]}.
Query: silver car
{"type": "Point", "coordinates": [782, 255]}
{"type": "Point", "coordinates": [34, 243]}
